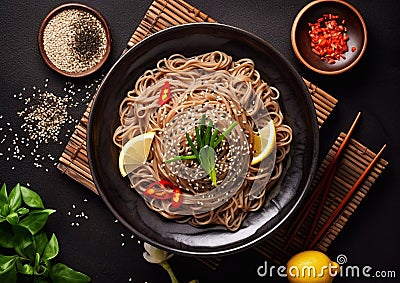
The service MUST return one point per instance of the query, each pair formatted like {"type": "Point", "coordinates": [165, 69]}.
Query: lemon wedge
{"type": "Point", "coordinates": [264, 142]}
{"type": "Point", "coordinates": [135, 152]}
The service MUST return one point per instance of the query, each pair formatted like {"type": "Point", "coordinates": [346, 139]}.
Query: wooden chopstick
{"type": "Point", "coordinates": [321, 205]}
{"type": "Point", "coordinates": [304, 212]}
{"type": "Point", "coordinates": [350, 193]}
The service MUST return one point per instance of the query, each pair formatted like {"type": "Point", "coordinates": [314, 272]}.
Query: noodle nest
{"type": "Point", "coordinates": [215, 86]}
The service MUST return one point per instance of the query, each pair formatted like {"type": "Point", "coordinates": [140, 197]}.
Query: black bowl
{"type": "Point", "coordinates": [129, 207]}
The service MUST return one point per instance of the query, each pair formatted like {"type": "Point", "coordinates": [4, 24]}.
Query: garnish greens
{"type": "Point", "coordinates": [207, 140]}
{"type": "Point", "coordinates": [29, 253]}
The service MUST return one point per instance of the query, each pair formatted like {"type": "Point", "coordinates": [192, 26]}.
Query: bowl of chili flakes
{"type": "Point", "coordinates": [329, 36]}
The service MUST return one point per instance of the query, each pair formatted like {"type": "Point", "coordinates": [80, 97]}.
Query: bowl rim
{"type": "Point", "coordinates": [88, 9]}
{"type": "Point", "coordinates": [294, 42]}
{"type": "Point", "coordinates": [241, 245]}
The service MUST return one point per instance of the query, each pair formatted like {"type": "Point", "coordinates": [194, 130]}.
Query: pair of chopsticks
{"type": "Point", "coordinates": [323, 188]}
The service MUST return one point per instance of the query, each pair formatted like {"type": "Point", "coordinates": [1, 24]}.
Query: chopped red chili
{"type": "Point", "coordinates": [329, 38]}
{"type": "Point", "coordinates": [177, 198]}
{"type": "Point", "coordinates": [165, 94]}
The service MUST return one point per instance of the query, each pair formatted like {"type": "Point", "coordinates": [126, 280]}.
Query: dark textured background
{"type": "Point", "coordinates": [104, 249]}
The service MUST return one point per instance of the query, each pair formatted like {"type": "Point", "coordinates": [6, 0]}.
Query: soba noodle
{"type": "Point", "coordinates": [224, 90]}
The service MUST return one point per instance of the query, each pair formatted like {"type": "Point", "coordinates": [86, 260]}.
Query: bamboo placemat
{"type": "Point", "coordinates": [165, 13]}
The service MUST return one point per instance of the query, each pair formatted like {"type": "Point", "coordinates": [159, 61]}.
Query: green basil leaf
{"type": "Point", "coordinates": [24, 268]}
{"type": "Point", "coordinates": [207, 159]}
{"type": "Point", "coordinates": [8, 270]}
{"type": "Point", "coordinates": [3, 194]}
{"type": "Point", "coordinates": [15, 199]}
{"type": "Point", "coordinates": [51, 250]}
{"type": "Point", "coordinates": [23, 242]}
{"type": "Point", "coordinates": [12, 218]}
{"type": "Point", "coordinates": [22, 211]}
{"type": "Point", "coordinates": [41, 241]}
{"type": "Point", "coordinates": [5, 209]}
{"type": "Point", "coordinates": [31, 198]}
{"type": "Point", "coordinates": [5, 260]}
{"type": "Point", "coordinates": [35, 220]}
{"type": "Point", "coordinates": [6, 236]}
{"type": "Point", "coordinates": [2, 218]}
{"type": "Point", "coordinates": [61, 273]}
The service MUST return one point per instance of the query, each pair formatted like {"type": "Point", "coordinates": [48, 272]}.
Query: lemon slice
{"type": "Point", "coordinates": [264, 142]}
{"type": "Point", "coordinates": [135, 152]}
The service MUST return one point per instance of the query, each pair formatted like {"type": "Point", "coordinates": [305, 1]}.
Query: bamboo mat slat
{"type": "Point", "coordinates": [165, 13]}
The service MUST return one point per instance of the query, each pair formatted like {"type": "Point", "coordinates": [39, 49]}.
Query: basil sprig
{"type": "Point", "coordinates": [207, 140]}
{"type": "Point", "coordinates": [22, 217]}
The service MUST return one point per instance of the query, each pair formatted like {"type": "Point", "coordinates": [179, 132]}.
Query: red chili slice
{"type": "Point", "coordinates": [165, 94]}
{"type": "Point", "coordinates": [158, 190]}
{"type": "Point", "coordinates": [177, 198]}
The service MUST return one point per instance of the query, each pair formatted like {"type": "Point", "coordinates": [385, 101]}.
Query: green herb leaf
{"type": "Point", "coordinates": [8, 269]}
{"type": "Point", "coordinates": [41, 241]}
{"type": "Point", "coordinates": [35, 220]}
{"type": "Point", "coordinates": [207, 161]}
{"type": "Point", "coordinates": [225, 134]}
{"type": "Point", "coordinates": [3, 198]}
{"type": "Point", "coordinates": [15, 199]}
{"type": "Point", "coordinates": [213, 137]}
{"type": "Point", "coordinates": [22, 268]}
{"type": "Point", "coordinates": [5, 210]}
{"type": "Point", "coordinates": [202, 126]}
{"type": "Point", "coordinates": [208, 133]}
{"type": "Point", "coordinates": [6, 236]}
{"type": "Point", "coordinates": [180, 157]}
{"type": "Point", "coordinates": [31, 198]}
{"type": "Point", "coordinates": [6, 260]}
{"type": "Point", "coordinates": [51, 249]}
{"type": "Point", "coordinates": [12, 218]}
{"type": "Point", "coordinates": [190, 142]}
{"type": "Point", "coordinates": [22, 211]}
{"type": "Point", "coordinates": [23, 242]}
{"type": "Point", "coordinates": [61, 273]}
{"type": "Point", "coordinates": [198, 137]}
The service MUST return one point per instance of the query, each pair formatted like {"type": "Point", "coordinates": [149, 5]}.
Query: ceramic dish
{"type": "Point", "coordinates": [129, 207]}
{"type": "Point", "coordinates": [356, 31]}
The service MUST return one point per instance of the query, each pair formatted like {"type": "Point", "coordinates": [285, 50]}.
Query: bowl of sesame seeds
{"type": "Point", "coordinates": [74, 40]}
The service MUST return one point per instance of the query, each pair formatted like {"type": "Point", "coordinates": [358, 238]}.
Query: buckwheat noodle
{"type": "Point", "coordinates": [141, 112]}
